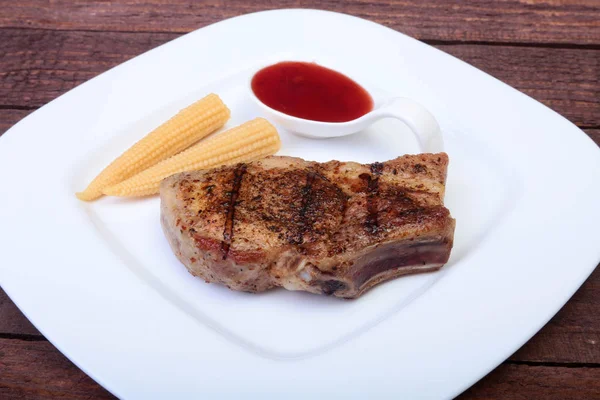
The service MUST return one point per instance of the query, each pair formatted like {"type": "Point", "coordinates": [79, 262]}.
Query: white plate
{"type": "Point", "coordinates": [101, 283]}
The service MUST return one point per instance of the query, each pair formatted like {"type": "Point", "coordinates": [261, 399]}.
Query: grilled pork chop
{"type": "Point", "coordinates": [335, 228]}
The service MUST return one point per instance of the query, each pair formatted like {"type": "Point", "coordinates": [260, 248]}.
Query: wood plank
{"type": "Point", "coordinates": [38, 66]}
{"type": "Point", "coordinates": [594, 134]}
{"type": "Point", "coordinates": [548, 21]}
{"type": "Point", "coordinates": [563, 78]}
{"type": "Point", "coordinates": [8, 118]}
{"type": "Point", "coordinates": [36, 370]}
{"type": "Point", "coordinates": [566, 80]}
{"type": "Point", "coordinates": [12, 320]}
{"type": "Point", "coordinates": [523, 382]}
{"type": "Point", "coordinates": [573, 335]}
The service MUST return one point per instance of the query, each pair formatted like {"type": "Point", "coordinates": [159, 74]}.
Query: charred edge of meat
{"type": "Point", "coordinates": [229, 219]}
{"type": "Point", "coordinates": [331, 286]}
{"type": "Point", "coordinates": [376, 168]}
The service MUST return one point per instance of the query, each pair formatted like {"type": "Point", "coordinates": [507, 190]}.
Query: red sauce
{"type": "Point", "coordinates": [310, 91]}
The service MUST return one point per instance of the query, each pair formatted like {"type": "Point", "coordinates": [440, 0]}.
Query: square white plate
{"type": "Point", "coordinates": [100, 281]}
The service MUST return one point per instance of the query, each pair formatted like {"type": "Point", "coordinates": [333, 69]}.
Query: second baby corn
{"type": "Point", "coordinates": [184, 129]}
{"type": "Point", "coordinates": [252, 140]}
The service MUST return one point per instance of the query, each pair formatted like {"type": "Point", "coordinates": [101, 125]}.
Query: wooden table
{"type": "Point", "coordinates": [547, 49]}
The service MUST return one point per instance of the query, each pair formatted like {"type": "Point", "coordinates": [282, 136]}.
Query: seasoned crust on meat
{"type": "Point", "coordinates": [336, 228]}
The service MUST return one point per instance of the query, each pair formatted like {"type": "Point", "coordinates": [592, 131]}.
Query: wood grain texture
{"type": "Point", "coordinates": [573, 335]}
{"type": "Point", "coordinates": [542, 21]}
{"type": "Point", "coordinates": [36, 370]}
{"type": "Point", "coordinates": [12, 321]}
{"type": "Point", "coordinates": [566, 80]}
{"type": "Point", "coordinates": [594, 134]}
{"type": "Point", "coordinates": [523, 382]}
{"type": "Point", "coordinates": [549, 49]}
{"type": "Point", "coordinates": [38, 66]}
{"type": "Point", "coordinates": [9, 117]}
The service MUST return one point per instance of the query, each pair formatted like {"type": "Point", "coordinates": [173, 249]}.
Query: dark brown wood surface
{"type": "Point", "coordinates": [564, 79]}
{"type": "Point", "coordinates": [520, 21]}
{"type": "Point", "coordinates": [548, 49]}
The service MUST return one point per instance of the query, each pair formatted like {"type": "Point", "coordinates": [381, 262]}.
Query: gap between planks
{"type": "Point", "coordinates": [36, 67]}
{"type": "Point", "coordinates": [574, 21]}
{"type": "Point", "coordinates": [431, 42]}
{"type": "Point", "coordinates": [37, 370]}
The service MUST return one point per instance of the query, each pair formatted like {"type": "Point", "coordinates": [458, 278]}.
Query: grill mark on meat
{"type": "Point", "coordinates": [229, 219]}
{"type": "Point", "coordinates": [371, 223]}
{"type": "Point", "coordinates": [278, 200]}
{"type": "Point", "coordinates": [298, 237]}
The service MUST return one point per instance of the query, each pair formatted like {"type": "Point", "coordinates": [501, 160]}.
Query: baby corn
{"type": "Point", "coordinates": [250, 141]}
{"type": "Point", "coordinates": [181, 131]}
